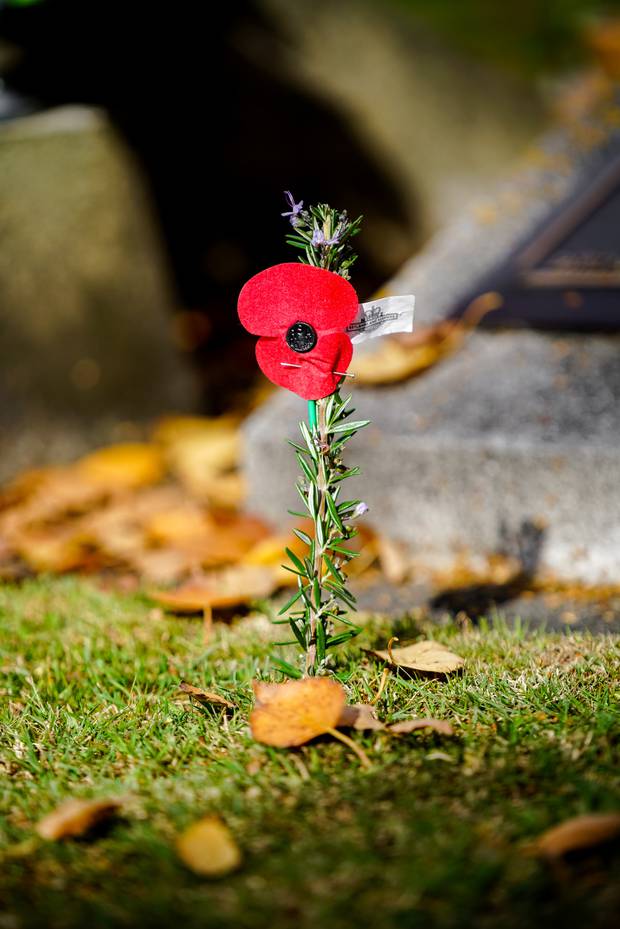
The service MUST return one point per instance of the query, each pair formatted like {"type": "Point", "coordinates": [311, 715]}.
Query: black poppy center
{"type": "Point", "coordinates": [301, 337]}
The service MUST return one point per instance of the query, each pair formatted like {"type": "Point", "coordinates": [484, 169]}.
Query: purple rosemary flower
{"type": "Point", "coordinates": [360, 510]}
{"type": "Point", "coordinates": [319, 237]}
{"type": "Point", "coordinates": [295, 208]}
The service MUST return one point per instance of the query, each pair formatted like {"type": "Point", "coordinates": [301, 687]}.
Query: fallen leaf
{"type": "Point", "coordinates": [411, 725]}
{"type": "Point", "coordinates": [394, 559]}
{"type": "Point", "coordinates": [292, 713]}
{"type": "Point", "coordinates": [580, 832]}
{"type": "Point", "coordinates": [395, 360]}
{"type": "Point", "coordinates": [54, 549]}
{"type": "Point", "coordinates": [124, 466]}
{"type": "Point", "coordinates": [171, 429]}
{"type": "Point", "coordinates": [180, 525]}
{"type": "Point", "coordinates": [407, 356]}
{"type": "Point", "coordinates": [201, 453]}
{"type": "Point", "coordinates": [426, 657]}
{"type": "Point", "coordinates": [230, 587]}
{"type": "Point", "coordinates": [207, 847]}
{"type": "Point", "coordinates": [359, 716]}
{"type": "Point", "coordinates": [224, 490]}
{"type": "Point", "coordinates": [160, 565]}
{"type": "Point", "coordinates": [75, 817]}
{"type": "Point", "coordinates": [204, 696]}
{"type": "Point", "coordinates": [271, 552]}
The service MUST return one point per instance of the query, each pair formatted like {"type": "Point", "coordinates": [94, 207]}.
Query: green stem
{"type": "Point", "coordinates": [312, 420]}
{"type": "Point", "coordinates": [316, 418]}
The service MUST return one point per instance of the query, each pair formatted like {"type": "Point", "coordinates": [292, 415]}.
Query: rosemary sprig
{"type": "Point", "coordinates": [319, 612]}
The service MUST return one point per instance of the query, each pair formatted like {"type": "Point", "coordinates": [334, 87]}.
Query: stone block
{"type": "Point", "coordinates": [512, 445]}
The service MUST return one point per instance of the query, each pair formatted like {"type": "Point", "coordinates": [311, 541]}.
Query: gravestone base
{"type": "Point", "coordinates": [512, 446]}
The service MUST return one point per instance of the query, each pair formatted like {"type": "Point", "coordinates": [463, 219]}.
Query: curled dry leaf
{"type": "Point", "coordinates": [359, 716]}
{"type": "Point", "coordinates": [407, 356]}
{"type": "Point", "coordinates": [227, 588]}
{"type": "Point", "coordinates": [205, 696]}
{"type": "Point", "coordinates": [396, 359]}
{"type": "Point", "coordinates": [412, 725]}
{"type": "Point", "coordinates": [292, 713]}
{"type": "Point", "coordinates": [75, 817]}
{"type": "Point", "coordinates": [424, 658]}
{"type": "Point", "coordinates": [580, 832]}
{"type": "Point", "coordinates": [207, 847]}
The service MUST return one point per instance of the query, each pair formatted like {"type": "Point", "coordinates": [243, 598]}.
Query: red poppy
{"type": "Point", "coordinates": [301, 314]}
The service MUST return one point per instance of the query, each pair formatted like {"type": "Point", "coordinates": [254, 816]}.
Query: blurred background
{"type": "Point", "coordinates": [144, 151]}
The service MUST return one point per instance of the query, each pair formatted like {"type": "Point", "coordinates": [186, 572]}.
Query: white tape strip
{"type": "Point", "coordinates": [382, 317]}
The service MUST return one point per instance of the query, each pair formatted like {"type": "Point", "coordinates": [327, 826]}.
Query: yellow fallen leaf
{"type": "Point", "coordinates": [424, 657]}
{"type": "Point", "coordinates": [580, 832]}
{"type": "Point", "coordinates": [224, 490]}
{"type": "Point", "coordinates": [75, 817]}
{"type": "Point", "coordinates": [179, 525]}
{"type": "Point", "coordinates": [412, 725]}
{"type": "Point", "coordinates": [271, 552]}
{"type": "Point", "coordinates": [230, 587]}
{"type": "Point", "coordinates": [54, 549]}
{"type": "Point", "coordinates": [124, 466]}
{"type": "Point", "coordinates": [208, 848]}
{"type": "Point", "coordinates": [171, 429]}
{"type": "Point", "coordinates": [294, 712]}
{"type": "Point", "coordinates": [359, 716]}
{"type": "Point", "coordinates": [205, 696]}
{"type": "Point", "coordinates": [395, 361]}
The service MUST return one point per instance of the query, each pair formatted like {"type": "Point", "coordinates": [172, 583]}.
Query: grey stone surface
{"type": "Point", "coordinates": [85, 298]}
{"type": "Point", "coordinates": [514, 439]}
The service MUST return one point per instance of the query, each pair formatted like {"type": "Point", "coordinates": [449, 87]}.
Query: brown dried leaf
{"type": "Point", "coordinates": [412, 725]}
{"type": "Point", "coordinates": [205, 696]}
{"type": "Point", "coordinates": [75, 817]}
{"type": "Point", "coordinates": [160, 565]}
{"type": "Point", "coordinates": [394, 559]}
{"type": "Point", "coordinates": [359, 716]}
{"type": "Point", "coordinates": [124, 466]}
{"type": "Point", "coordinates": [231, 587]}
{"type": "Point", "coordinates": [207, 847]}
{"type": "Point", "coordinates": [426, 657]}
{"type": "Point", "coordinates": [580, 832]}
{"type": "Point", "coordinates": [292, 713]}
{"type": "Point", "coordinates": [203, 452]}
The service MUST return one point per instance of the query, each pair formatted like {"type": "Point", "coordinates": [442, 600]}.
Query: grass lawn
{"type": "Point", "coordinates": [433, 835]}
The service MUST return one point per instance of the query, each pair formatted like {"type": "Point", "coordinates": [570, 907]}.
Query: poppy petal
{"type": "Point", "coordinates": [277, 297]}
{"type": "Point", "coordinates": [314, 374]}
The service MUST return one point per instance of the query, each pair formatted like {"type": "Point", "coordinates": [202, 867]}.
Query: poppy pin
{"type": "Point", "coordinates": [301, 314]}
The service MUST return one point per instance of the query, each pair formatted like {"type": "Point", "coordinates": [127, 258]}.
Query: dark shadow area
{"type": "Point", "coordinates": [205, 98]}
{"type": "Point", "coordinates": [476, 600]}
